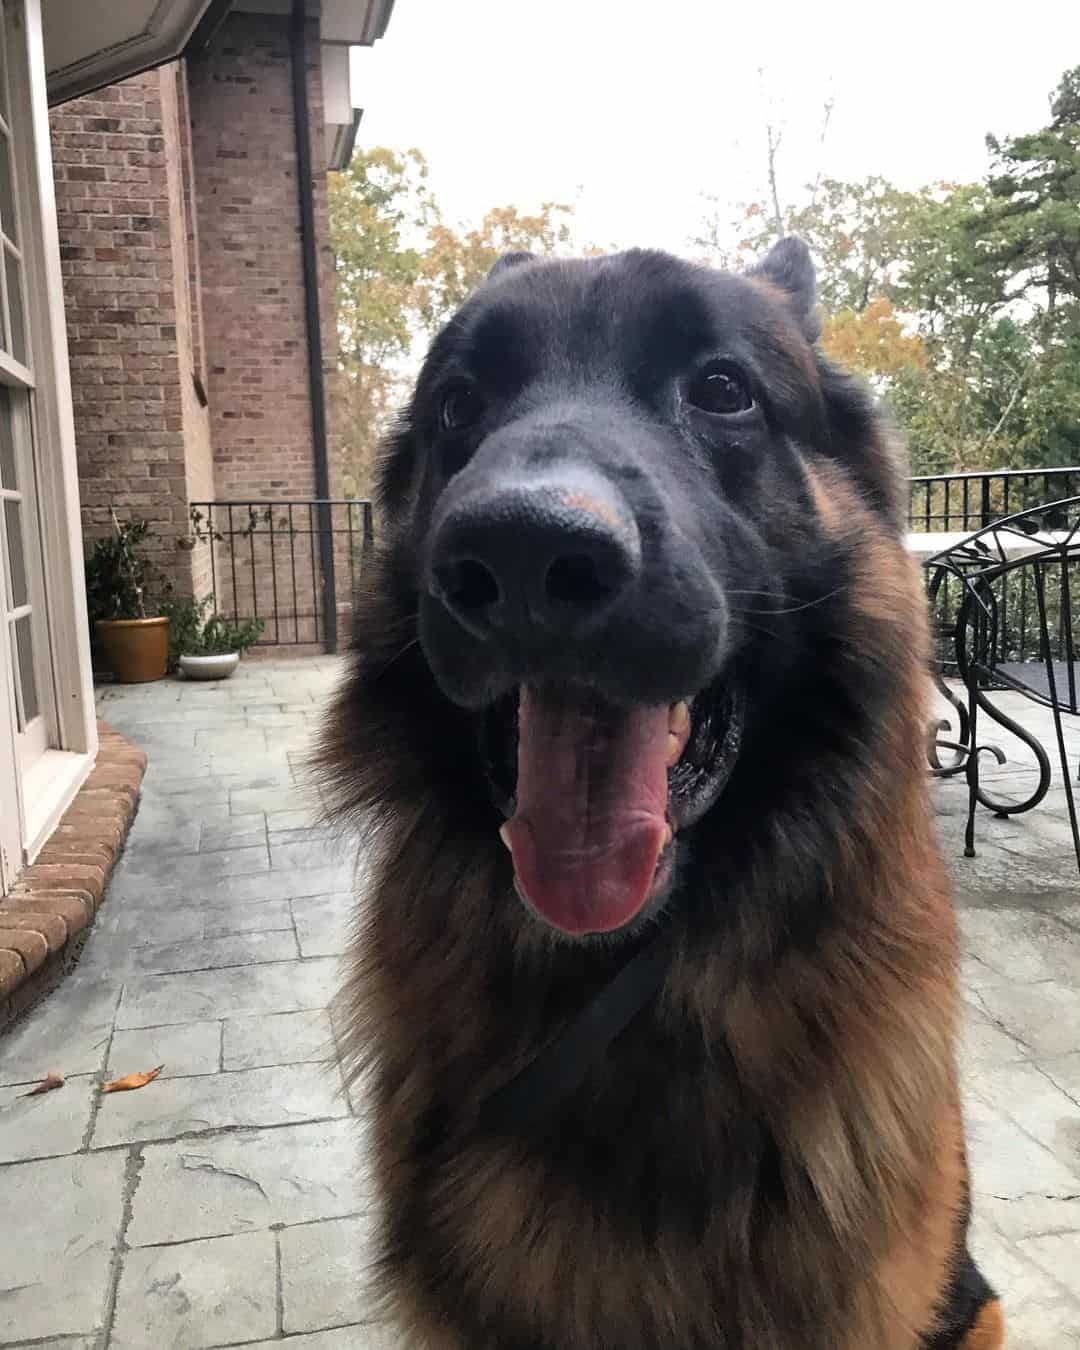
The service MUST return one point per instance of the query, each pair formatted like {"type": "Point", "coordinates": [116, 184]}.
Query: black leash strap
{"type": "Point", "coordinates": [545, 1082]}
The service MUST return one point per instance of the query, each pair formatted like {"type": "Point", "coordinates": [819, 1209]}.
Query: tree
{"type": "Point", "coordinates": [456, 262]}
{"type": "Point", "coordinates": [400, 272]}
{"type": "Point", "coordinates": [1033, 220]}
{"type": "Point", "coordinates": [379, 209]}
{"type": "Point", "coordinates": [857, 232]}
{"type": "Point", "coordinates": [873, 340]}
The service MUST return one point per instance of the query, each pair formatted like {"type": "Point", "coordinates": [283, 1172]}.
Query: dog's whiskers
{"type": "Point", "coordinates": [796, 609]}
{"type": "Point", "coordinates": [415, 642]}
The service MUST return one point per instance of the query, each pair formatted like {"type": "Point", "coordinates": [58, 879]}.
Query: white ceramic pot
{"type": "Point", "coordinates": [218, 667]}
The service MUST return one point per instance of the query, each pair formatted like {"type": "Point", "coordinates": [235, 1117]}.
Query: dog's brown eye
{"type": "Point", "coordinates": [461, 407]}
{"type": "Point", "coordinates": [720, 388]}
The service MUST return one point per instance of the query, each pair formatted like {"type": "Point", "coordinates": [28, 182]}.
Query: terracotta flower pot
{"type": "Point", "coordinates": [136, 650]}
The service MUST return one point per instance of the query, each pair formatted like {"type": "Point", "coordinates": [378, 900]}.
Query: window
{"type": "Point", "coordinates": [47, 727]}
{"type": "Point", "coordinates": [23, 640]}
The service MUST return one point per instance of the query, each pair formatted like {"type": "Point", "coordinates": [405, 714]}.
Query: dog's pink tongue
{"type": "Point", "coordinates": [591, 803]}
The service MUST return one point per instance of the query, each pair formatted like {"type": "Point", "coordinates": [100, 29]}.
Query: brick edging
{"type": "Point", "coordinates": [42, 921]}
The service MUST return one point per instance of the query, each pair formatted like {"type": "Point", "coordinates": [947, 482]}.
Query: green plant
{"type": "Point", "coordinates": [117, 573]}
{"type": "Point", "coordinates": [195, 629]}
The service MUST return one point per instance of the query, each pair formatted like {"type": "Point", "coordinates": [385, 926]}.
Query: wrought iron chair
{"type": "Point", "coordinates": [1003, 602]}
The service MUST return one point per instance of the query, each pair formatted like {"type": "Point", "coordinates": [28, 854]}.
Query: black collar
{"type": "Point", "coordinates": [531, 1096]}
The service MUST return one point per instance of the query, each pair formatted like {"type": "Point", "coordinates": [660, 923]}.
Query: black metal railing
{"type": "Point", "coordinates": [265, 560]}
{"type": "Point", "coordinates": [970, 501]}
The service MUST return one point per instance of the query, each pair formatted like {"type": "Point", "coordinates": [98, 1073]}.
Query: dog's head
{"type": "Point", "coordinates": [607, 496]}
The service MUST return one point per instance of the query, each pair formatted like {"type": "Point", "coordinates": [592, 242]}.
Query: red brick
{"type": "Point", "coordinates": [84, 854]}
{"type": "Point", "coordinates": [62, 876]}
{"type": "Point", "coordinates": [73, 909]}
{"type": "Point", "coordinates": [12, 971]}
{"type": "Point", "coordinates": [88, 825]}
{"type": "Point", "coordinates": [31, 945]}
{"type": "Point", "coordinates": [52, 928]}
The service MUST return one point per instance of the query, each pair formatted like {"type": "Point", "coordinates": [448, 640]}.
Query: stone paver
{"type": "Point", "coordinates": [236, 991]}
{"type": "Point", "coordinates": [322, 1284]}
{"type": "Point", "coordinates": [227, 1202]}
{"type": "Point", "coordinates": [357, 1337]}
{"type": "Point", "coordinates": [284, 1038]}
{"type": "Point", "coordinates": [228, 920]}
{"type": "Point", "coordinates": [49, 1125]}
{"type": "Point", "coordinates": [167, 1108]}
{"type": "Point", "coordinates": [322, 923]}
{"type": "Point", "coordinates": [69, 1211]}
{"type": "Point", "coordinates": [185, 1050]}
{"type": "Point", "coordinates": [246, 949]}
{"type": "Point", "coordinates": [69, 1033]}
{"type": "Point", "coordinates": [248, 1180]}
{"type": "Point", "coordinates": [197, 1294]}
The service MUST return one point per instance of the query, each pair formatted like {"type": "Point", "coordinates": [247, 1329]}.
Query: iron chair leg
{"type": "Point", "coordinates": [1051, 680]}
{"type": "Point", "coordinates": [972, 766]}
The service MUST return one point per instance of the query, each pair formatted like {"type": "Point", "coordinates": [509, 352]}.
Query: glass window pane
{"type": "Point", "coordinates": [16, 555]}
{"type": "Point", "coordinates": [24, 666]}
{"type": "Point", "coordinates": [7, 442]}
{"type": "Point", "coordinates": [7, 191]}
{"type": "Point", "coordinates": [15, 308]}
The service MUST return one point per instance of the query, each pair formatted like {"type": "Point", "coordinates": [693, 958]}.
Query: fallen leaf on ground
{"type": "Point", "coordinates": [132, 1080]}
{"type": "Point", "coordinates": [53, 1079]}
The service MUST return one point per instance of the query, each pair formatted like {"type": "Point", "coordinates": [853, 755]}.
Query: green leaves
{"type": "Point", "coordinates": [959, 302]}
{"type": "Point", "coordinates": [117, 573]}
{"type": "Point", "coordinates": [195, 629]}
{"type": "Point", "coordinates": [401, 271]}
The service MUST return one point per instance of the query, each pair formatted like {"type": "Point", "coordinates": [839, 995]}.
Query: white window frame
{"type": "Point", "coordinates": [45, 793]}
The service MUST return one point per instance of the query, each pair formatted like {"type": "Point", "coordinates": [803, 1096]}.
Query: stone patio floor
{"type": "Point", "coordinates": [225, 1203]}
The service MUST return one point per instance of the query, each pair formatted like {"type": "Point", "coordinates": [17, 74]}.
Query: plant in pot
{"type": "Point", "coordinates": [204, 644]}
{"type": "Point", "coordinates": [131, 636]}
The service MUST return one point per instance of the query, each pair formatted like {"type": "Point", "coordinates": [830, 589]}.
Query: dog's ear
{"type": "Point", "coordinates": [509, 260]}
{"type": "Point", "coordinates": [789, 267]}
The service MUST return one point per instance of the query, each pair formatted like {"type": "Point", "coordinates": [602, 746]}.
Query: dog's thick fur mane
{"type": "Point", "coordinates": [771, 1156]}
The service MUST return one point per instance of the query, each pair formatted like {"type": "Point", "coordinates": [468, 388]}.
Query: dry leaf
{"type": "Point", "coordinates": [53, 1079]}
{"type": "Point", "coordinates": [133, 1080]}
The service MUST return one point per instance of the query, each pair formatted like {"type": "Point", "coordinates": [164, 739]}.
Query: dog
{"type": "Point", "coordinates": [655, 979]}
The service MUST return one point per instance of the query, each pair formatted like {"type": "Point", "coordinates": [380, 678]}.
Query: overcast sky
{"type": "Point", "coordinates": [631, 110]}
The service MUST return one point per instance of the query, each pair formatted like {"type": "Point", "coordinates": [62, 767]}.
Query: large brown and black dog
{"type": "Point", "coordinates": [656, 970]}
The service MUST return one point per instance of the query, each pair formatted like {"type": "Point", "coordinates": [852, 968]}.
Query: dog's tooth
{"type": "Point", "coordinates": [674, 749]}
{"type": "Point", "coordinates": [679, 719]}
{"type": "Point", "coordinates": [669, 835]}
{"type": "Point", "coordinates": [504, 834]}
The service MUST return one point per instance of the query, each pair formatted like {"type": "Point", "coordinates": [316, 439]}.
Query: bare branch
{"type": "Point", "coordinates": [830, 103]}
{"type": "Point", "coordinates": [774, 138]}
{"type": "Point", "coordinates": [1023, 379]}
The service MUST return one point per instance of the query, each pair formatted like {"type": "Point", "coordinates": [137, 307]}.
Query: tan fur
{"type": "Point", "coordinates": [819, 478]}
{"type": "Point", "coordinates": [988, 1333]}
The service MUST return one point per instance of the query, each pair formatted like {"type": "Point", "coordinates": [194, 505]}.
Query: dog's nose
{"type": "Point", "coordinates": [518, 560]}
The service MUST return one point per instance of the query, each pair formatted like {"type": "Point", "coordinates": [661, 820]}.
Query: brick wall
{"type": "Point", "coordinates": [180, 234]}
{"type": "Point", "coordinates": [244, 156]}
{"type": "Point", "coordinates": [119, 200]}
{"type": "Point", "coordinates": [243, 147]}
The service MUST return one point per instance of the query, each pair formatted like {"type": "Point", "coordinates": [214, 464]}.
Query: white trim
{"type": "Point", "coordinates": [54, 426]}
{"type": "Point", "coordinates": [162, 38]}
{"type": "Point", "coordinates": [37, 735]}
{"type": "Point", "coordinates": [48, 790]}
{"type": "Point", "coordinates": [10, 804]}
{"type": "Point", "coordinates": [14, 373]}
